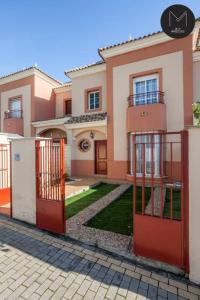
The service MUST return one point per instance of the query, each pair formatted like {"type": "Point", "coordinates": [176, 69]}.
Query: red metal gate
{"type": "Point", "coordinates": [50, 186]}
{"type": "Point", "coordinates": [161, 197]}
{"type": "Point", "coordinates": [5, 179]}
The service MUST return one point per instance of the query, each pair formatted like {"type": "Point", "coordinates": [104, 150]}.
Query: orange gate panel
{"type": "Point", "coordinates": [5, 179]}
{"type": "Point", "coordinates": [50, 186]}
{"type": "Point", "coordinates": [4, 196]}
{"type": "Point", "coordinates": [161, 197]}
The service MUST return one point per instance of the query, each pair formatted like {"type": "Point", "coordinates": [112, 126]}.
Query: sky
{"type": "Point", "coordinates": [57, 35]}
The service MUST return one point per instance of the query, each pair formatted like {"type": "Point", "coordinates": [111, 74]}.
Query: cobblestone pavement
{"type": "Point", "coordinates": [37, 265]}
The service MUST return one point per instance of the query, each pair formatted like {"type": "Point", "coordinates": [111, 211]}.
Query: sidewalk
{"type": "Point", "coordinates": [37, 265]}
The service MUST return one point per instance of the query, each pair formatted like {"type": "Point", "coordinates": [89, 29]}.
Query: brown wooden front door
{"type": "Point", "coordinates": [101, 157]}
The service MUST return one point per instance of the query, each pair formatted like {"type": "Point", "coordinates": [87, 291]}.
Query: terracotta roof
{"type": "Point", "coordinates": [87, 118]}
{"type": "Point", "coordinates": [129, 41]}
{"type": "Point", "coordinates": [198, 42]}
{"type": "Point", "coordinates": [29, 68]}
{"type": "Point", "coordinates": [134, 40]}
{"type": "Point", "coordinates": [63, 85]}
{"type": "Point", "coordinates": [84, 67]}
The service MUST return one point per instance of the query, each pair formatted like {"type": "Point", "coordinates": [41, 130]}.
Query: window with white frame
{"type": "Point", "coordinates": [143, 143]}
{"type": "Point", "coordinates": [146, 89]}
{"type": "Point", "coordinates": [93, 100]}
{"type": "Point", "coordinates": [15, 107]}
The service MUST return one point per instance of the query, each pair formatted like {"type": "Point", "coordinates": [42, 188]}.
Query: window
{"type": "Point", "coordinates": [144, 142]}
{"type": "Point", "coordinates": [68, 107]}
{"type": "Point", "coordinates": [93, 100]}
{"type": "Point", "coordinates": [15, 108]}
{"type": "Point", "coordinates": [145, 90]}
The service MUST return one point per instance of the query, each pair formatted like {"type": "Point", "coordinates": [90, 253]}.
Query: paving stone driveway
{"type": "Point", "coordinates": [37, 265]}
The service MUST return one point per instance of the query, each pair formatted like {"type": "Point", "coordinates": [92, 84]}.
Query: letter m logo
{"type": "Point", "coordinates": [175, 20]}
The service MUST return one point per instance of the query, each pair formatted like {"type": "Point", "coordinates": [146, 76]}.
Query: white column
{"type": "Point", "coordinates": [24, 180]}
{"type": "Point", "coordinates": [68, 150]}
{"type": "Point", "coordinates": [194, 204]}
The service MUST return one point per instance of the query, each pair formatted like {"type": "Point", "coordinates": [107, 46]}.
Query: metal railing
{"type": "Point", "coordinates": [13, 114]}
{"type": "Point", "coordinates": [146, 98]}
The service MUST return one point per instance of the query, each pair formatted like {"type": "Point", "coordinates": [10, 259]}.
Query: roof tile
{"type": "Point", "coordinates": [134, 40]}
{"type": "Point", "coordinates": [100, 62]}
{"type": "Point", "coordinates": [87, 118]}
{"type": "Point", "coordinates": [29, 68]}
{"type": "Point", "coordinates": [129, 41]}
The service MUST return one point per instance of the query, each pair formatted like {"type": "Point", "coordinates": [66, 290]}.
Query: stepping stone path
{"type": "Point", "coordinates": [75, 225]}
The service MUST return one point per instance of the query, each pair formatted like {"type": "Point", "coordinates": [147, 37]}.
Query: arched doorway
{"type": "Point", "coordinates": [54, 133]}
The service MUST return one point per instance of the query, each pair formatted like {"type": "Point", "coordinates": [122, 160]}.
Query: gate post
{"type": "Point", "coordinates": [185, 208]}
{"type": "Point", "coordinates": [23, 180]}
{"type": "Point", "coordinates": [62, 179]}
{"type": "Point", "coordinates": [194, 203]}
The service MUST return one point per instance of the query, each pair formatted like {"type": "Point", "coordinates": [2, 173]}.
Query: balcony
{"type": "Point", "coordinates": [146, 112]}
{"type": "Point", "coordinates": [13, 122]}
{"type": "Point", "coordinates": [10, 114]}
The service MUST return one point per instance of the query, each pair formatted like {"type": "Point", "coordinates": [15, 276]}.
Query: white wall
{"type": "Point", "coordinates": [23, 180]}
{"type": "Point", "coordinates": [196, 81]}
{"type": "Point", "coordinates": [80, 84]}
{"type": "Point", "coordinates": [25, 92]}
{"type": "Point", "coordinates": [194, 204]}
{"type": "Point", "coordinates": [100, 134]}
{"type": "Point", "coordinates": [68, 159]}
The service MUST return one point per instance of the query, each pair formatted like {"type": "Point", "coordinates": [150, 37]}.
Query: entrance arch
{"type": "Point", "coordinates": [54, 133]}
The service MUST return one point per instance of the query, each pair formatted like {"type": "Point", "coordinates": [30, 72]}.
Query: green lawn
{"type": "Point", "coordinates": [176, 202]}
{"type": "Point", "coordinates": [118, 216]}
{"type": "Point", "coordinates": [77, 203]}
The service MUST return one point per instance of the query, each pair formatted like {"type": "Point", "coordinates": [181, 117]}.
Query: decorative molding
{"type": "Point", "coordinates": [83, 143]}
{"type": "Point", "coordinates": [52, 122]}
{"type": "Point", "coordinates": [86, 124]}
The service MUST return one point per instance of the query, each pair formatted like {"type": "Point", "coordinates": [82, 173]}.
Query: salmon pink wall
{"type": "Point", "coordinates": [149, 117]}
{"type": "Point", "coordinates": [175, 60]}
{"type": "Point", "coordinates": [82, 167]}
{"type": "Point", "coordinates": [13, 125]}
{"type": "Point", "coordinates": [25, 88]}
{"type": "Point", "coordinates": [60, 106]}
{"type": "Point", "coordinates": [43, 104]}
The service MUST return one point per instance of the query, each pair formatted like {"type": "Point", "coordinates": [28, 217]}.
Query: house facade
{"type": "Point", "coordinates": [145, 85]}
{"type": "Point", "coordinates": [26, 96]}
